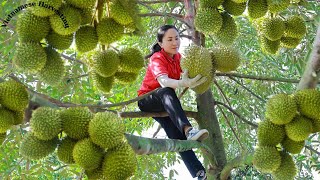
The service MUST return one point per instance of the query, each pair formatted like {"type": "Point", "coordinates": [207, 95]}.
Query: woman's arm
{"type": "Point", "coordinates": [165, 81]}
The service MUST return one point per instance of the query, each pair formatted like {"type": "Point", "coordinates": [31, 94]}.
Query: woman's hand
{"type": "Point", "coordinates": [191, 82]}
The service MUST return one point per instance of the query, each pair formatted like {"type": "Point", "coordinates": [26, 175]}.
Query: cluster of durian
{"type": "Point", "coordinates": [60, 23]}
{"type": "Point", "coordinates": [95, 142]}
{"type": "Point", "coordinates": [13, 101]}
{"type": "Point", "coordinates": [276, 32]}
{"type": "Point", "coordinates": [110, 66]}
{"type": "Point", "coordinates": [290, 119]}
{"type": "Point", "coordinates": [199, 60]}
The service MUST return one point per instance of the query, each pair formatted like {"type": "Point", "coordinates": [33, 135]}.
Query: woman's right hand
{"type": "Point", "coordinates": [191, 82]}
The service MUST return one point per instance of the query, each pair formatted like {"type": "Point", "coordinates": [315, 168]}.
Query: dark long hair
{"type": "Point", "coordinates": [156, 47]}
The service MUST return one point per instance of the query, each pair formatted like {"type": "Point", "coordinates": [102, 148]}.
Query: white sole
{"type": "Point", "coordinates": [201, 135]}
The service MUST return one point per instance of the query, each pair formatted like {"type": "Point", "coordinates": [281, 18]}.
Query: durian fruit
{"type": "Point", "coordinates": [125, 77]}
{"type": "Point", "coordinates": [104, 84]}
{"type": "Point", "coordinates": [239, 1]}
{"type": "Point", "coordinates": [308, 102]}
{"type": "Point", "coordinates": [295, 27]}
{"type": "Point", "coordinates": [86, 15]}
{"type": "Point", "coordinates": [119, 163]}
{"type": "Point", "coordinates": [293, 147]}
{"type": "Point", "coordinates": [31, 27]}
{"type": "Point", "coordinates": [2, 137]}
{"type": "Point", "coordinates": [266, 159]}
{"type": "Point", "coordinates": [277, 6]}
{"type": "Point", "coordinates": [87, 155]}
{"type": "Point", "coordinates": [197, 60]}
{"type": "Point", "coordinates": [299, 128]}
{"type": "Point", "coordinates": [208, 21]}
{"type": "Point", "coordinates": [210, 3]}
{"type": "Point", "coordinates": [268, 46]}
{"type": "Point", "coordinates": [18, 117]}
{"type": "Point", "coordinates": [45, 123]}
{"type": "Point", "coordinates": [119, 13]}
{"type": "Point", "coordinates": [6, 119]}
{"type": "Point", "coordinates": [287, 169]}
{"type": "Point", "coordinates": [53, 71]}
{"type": "Point", "coordinates": [45, 8]}
{"type": "Point", "coordinates": [273, 28]}
{"type": "Point", "coordinates": [131, 60]}
{"type": "Point", "coordinates": [13, 95]}
{"type": "Point", "coordinates": [33, 148]}
{"type": "Point", "coordinates": [106, 130]}
{"type": "Point", "coordinates": [96, 174]}
{"type": "Point", "coordinates": [58, 41]}
{"type": "Point", "coordinates": [225, 58]}
{"type": "Point", "coordinates": [281, 109]}
{"type": "Point", "coordinates": [257, 8]}
{"type": "Point", "coordinates": [229, 30]}
{"type": "Point", "coordinates": [81, 3]}
{"type": "Point", "coordinates": [86, 38]}
{"type": "Point", "coordinates": [30, 57]}
{"type": "Point", "coordinates": [109, 31]}
{"type": "Point", "coordinates": [289, 42]}
{"type": "Point", "coordinates": [75, 121]}
{"type": "Point", "coordinates": [270, 134]}
{"type": "Point", "coordinates": [315, 125]}
{"type": "Point", "coordinates": [106, 63]}
{"type": "Point", "coordinates": [68, 22]}
{"type": "Point", "coordinates": [65, 149]}
{"type": "Point", "coordinates": [235, 9]}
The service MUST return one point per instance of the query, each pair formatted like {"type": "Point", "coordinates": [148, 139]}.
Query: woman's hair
{"type": "Point", "coordinates": [156, 47]}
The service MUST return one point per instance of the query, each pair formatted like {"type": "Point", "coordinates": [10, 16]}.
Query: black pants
{"type": "Point", "coordinates": [165, 99]}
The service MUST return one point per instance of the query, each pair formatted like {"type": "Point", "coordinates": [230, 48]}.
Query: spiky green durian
{"type": "Point", "coordinates": [210, 3]}
{"type": "Point", "coordinates": [30, 57]}
{"type": "Point", "coordinates": [239, 1]}
{"type": "Point", "coordinates": [315, 125]}
{"type": "Point", "coordinates": [104, 84]}
{"type": "Point", "coordinates": [45, 123]}
{"type": "Point", "coordinates": [281, 109]}
{"type": "Point", "coordinates": [106, 63]}
{"type": "Point", "coordinates": [68, 22]}
{"type": "Point", "coordinates": [109, 31]}
{"type": "Point", "coordinates": [53, 71]}
{"type": "Point", "coordinates": [119, 14]}
{"type": "Point", "coordinates": [81, 3]}
{"type": "Point", "coordinates": [257, 8]}
{"type": "Point", "coordinates": [289, 42]}
{"type": "Point", "coordinates": [75, 121]}
{"type": "Point", "coordinates": [125, 77]}
{"type": "Point", "coordinates": [270, 134]}
{"type": "Point", "coordinates": [96, 174]}
{"type": "Point", "coordinates": [233, 8]}
{"type": "Point", "coordinates": [225, 58]}
{"type": "Point", "coordinates": [131, 60]}
{"type": "Point", "coordinates": [6, 119]}
{"type": "Point", "coordinates": [287, 169]}
{"type": "Point", "coordinates": [86, 38]}
{"type": "Point", "coordinates": [44, 8]}
{"type": "Point", "coordinates": [33, 148]}
{"type": "Point", "coordinates": [86, 15]}
{"type": "Point", "coordinates": [13, 95]}
{"type": "Point", "coordinates": [58, 41]}
{"type": "Point", "coordinates": [275, 6]}
{"type": "Point", "coordinates": [299, 128]}
{"type": "Point", "coordinates": [106, 130]}
{"type": "Point", "coordinates": [208, 21]}
{"type": "Point", "coordinates": [31, 27]}
{"type": "Point", "coordinates": [65, 149]}
{"type": "Point", "coordinates": [268, 46]}
{"type": "Point", "coordinates": [2, 137]}
{"type": "Point", "coordinates": [18, 117]}
{"type": "Point", "coordinates": [197, 60]}
{"type": "Point", "coordinates": [119, 163]}
{"type": "Point", "coordinates": [229, 30]}
{"type": "Point", "coordinates": [266, 159]}
{"type": "Point", "coordinates": [295, 27]}
{"type": "Point", "coordinates": [308, 102]}
{"type": "Point", "coordinates": [273, 28]}
{"type": "Point", "coordinates": [293, 147]}
{"type": "Point", "coordinates": [87, 155]}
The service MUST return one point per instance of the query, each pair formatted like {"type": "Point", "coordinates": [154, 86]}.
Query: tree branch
{"type": "Point", "coordinates": [7, 24]}
{"type": "Point", "coordinates": [312, 150]}
{"type": "Point", "coordinates": [139, 114]}
{"type": "Point", "coordinates": [236, 162]}
{"type": "Point", "coordinates": [162, 1]}
{"type": "Point", "coordinates": [72, 59]}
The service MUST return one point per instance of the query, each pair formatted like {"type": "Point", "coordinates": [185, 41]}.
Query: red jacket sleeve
{"type": "Point", "coordinates": [158, 66]}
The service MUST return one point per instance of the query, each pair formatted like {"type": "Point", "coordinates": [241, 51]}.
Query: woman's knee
{"type": "Point", "coordinates": [166, 91]}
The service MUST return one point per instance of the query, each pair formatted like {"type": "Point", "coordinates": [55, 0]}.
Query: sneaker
{"type": "Point", "coordinates": [197, 135]}
{"type": "Point", "coordinates": [201, 175]}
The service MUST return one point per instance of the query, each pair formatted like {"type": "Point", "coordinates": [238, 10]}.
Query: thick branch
{"type": "Point", "coordinates": [236, 162]}
{"type": "Point", "coordinates": [311, 74]}
{"type": "Point", "coordinates": [162, 1]}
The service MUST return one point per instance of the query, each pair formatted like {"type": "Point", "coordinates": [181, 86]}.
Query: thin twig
{"type": "Point", "coordinates": [313, 150]}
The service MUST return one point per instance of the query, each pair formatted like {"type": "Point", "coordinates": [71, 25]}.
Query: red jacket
{"type": "Point", "coordinates": [160, 64]}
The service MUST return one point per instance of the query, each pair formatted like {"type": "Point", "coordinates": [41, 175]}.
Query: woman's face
{"type": "Point", "coordinates": [170, 42]}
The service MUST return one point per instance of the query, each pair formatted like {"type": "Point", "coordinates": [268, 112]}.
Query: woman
{"type": "Point", "coordinates": [164, 73]}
